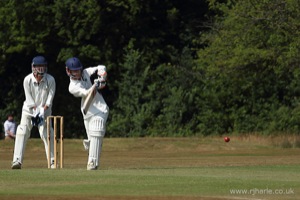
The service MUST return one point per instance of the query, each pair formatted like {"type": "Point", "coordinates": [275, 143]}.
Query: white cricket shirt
{"type": "Point", "coordinates": [80, 88]}
{"type": "Point", "coordinates": [38, 94]}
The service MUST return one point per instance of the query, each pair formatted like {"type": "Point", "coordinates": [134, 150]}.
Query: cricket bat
{"type": "Point", "coordinates": [89, 98]}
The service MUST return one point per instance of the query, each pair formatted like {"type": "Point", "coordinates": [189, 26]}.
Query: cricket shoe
{"type": "Point", "coordinates": [16, 165]}
{"type": "Point", "coordinates": [91, 166]}
{"type": "Point", "coordinates": [86, 144]}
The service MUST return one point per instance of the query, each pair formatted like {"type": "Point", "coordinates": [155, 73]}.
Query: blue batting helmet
{"type": "Point", "coordinates": [73, 64]}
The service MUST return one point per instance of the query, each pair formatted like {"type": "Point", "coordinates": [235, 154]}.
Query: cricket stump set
{"type": "Point", "coordinates": [57, 120]}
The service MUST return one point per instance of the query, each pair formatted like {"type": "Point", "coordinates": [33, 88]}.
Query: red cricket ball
{"type": "Point", "coordinates": [226, 139]}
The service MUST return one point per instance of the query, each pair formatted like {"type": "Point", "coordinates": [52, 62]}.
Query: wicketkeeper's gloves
{"type": "Point", "coordinates": [37, 121]}
{"type": "Point", "coordinates": [38, 117]}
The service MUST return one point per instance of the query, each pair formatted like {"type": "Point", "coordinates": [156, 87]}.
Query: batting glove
{"type": "Point", "coordinates": [101, 71]}
{"type": "Point", "coordinates": [100, 83]}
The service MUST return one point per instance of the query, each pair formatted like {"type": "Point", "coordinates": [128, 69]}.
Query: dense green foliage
{"type": "Point", "coordinates": [252, 64]}
{"type": "Point", "coordinates": [175, 67]}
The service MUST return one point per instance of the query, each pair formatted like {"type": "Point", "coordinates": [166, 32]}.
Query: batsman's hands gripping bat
{"type": "Point", "coordinates": [102, 77]}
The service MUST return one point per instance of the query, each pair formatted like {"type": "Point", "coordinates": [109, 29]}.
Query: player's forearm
{"type": "Point", "coordinates": [10, 134]}
{"type": "Point", "coordinates": [50, 98]}
{"type": "Point", "coordinates": [28, 96]}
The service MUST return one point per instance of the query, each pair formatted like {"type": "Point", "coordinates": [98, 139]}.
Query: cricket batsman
{"type": "Point", "coordinates": [39, 88]}
{"type": "Point", "coordinates": [95, 115]}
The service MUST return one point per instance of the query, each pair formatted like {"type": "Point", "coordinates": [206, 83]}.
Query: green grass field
{"type": "Point", "coordinates": [249, 167]}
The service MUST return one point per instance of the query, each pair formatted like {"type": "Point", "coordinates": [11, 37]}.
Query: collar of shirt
{"type": "Point", "coordinates": [35, 81]}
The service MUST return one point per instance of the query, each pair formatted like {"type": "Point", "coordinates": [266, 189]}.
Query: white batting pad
{"type": "Point", "coordinates": [96, 127]}
{"type": "Point", "coordinates": [95, 149]}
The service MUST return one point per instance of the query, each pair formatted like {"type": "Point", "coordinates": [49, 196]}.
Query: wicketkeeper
{"type": "Point", "coordinates": [95, 117]}
{"type": "Point", "coordinates": [39, 88]}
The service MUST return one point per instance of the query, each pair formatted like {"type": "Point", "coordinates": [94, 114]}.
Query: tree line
{"type": "Point", "coordinates": [175, 68]}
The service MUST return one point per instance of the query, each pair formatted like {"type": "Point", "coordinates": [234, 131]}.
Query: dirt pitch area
{"type": "Point", "coordinates": [135, 153]}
